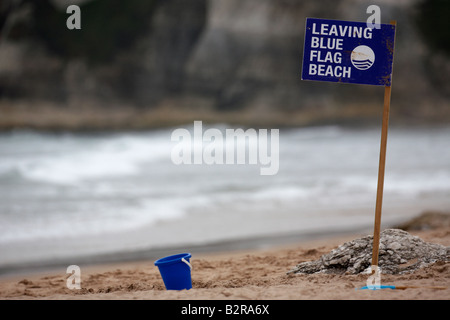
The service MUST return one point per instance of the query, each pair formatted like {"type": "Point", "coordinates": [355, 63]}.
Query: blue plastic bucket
{"type": "Point", "coordinates": [176, 271]}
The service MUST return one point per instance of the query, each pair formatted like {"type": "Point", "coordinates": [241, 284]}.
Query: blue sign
{"type": "Point", "coordinates": [348, 52]}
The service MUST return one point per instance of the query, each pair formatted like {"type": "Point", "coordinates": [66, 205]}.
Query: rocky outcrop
{"type": "Point", "coordinates": [250, 56]}
{"type": "Point", "coordinates": [222, 55]}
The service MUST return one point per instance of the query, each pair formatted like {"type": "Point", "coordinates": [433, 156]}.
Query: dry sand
{"type": "Point", "coordinates": [250, 275]}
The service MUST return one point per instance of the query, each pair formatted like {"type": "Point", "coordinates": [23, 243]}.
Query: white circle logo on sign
{"type": "Point", "coordinates": [362, 57]}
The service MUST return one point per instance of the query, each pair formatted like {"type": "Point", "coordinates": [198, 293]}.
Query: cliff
{"type": "Point", "coordinates": [168, 62]}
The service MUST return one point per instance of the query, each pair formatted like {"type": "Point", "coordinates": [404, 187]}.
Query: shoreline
{"type": "Point", "coordinates": [262, 242]}
{"type": "Point", "coordinates": [56, 118]}
{"type": "Point", "coordinates": [246, 274]}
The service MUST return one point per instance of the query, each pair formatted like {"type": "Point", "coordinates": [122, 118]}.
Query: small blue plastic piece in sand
{"type": "Point", "coordinates": [376, 287]}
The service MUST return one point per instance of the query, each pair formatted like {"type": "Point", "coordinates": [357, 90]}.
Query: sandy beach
{"type": "Point", "coordinates": [257, 274]}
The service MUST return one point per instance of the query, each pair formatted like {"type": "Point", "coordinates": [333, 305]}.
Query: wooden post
{"type": "Point", "coordinates": [381, 169]}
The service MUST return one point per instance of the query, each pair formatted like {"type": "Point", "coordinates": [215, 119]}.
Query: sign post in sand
{"type": "Point", "coordinates": [354, 52]}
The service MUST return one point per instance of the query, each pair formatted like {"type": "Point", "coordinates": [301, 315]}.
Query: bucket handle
{"type": "Point", "coordinates": [185, 261]}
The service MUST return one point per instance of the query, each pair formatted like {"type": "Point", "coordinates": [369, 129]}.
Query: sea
{"type": "Point", "coordinates": [65, 196]}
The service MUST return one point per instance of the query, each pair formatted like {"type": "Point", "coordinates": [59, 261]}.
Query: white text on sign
{"type": "Point", "coordinates": [332, 60]}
